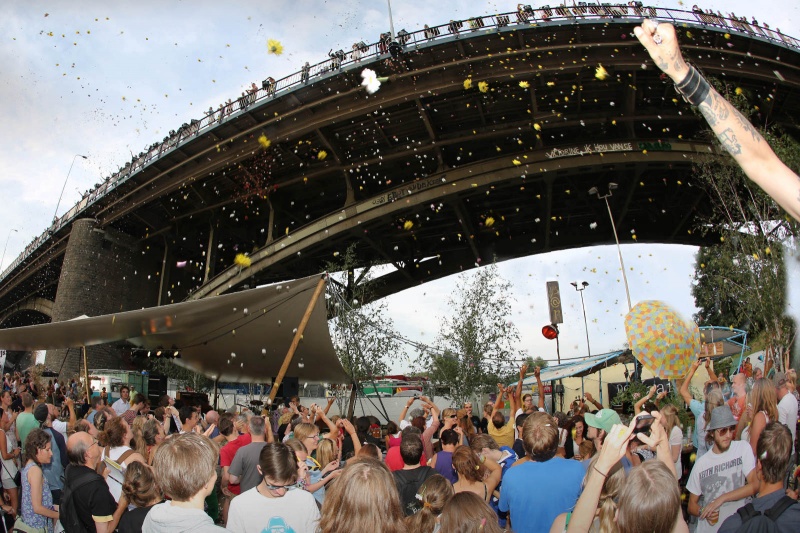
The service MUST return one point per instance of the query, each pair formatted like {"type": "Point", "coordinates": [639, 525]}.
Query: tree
{"type": "Point", "coordinates": [474, 348]}
{"type": "Point", "coordinates": [363, 335]}
{"type": "Point", "coordinates": [184, 376]}
{"type": "Point", "coordinates": [536, 361]}
{"type": "Point", "coordinates": [741, 281]}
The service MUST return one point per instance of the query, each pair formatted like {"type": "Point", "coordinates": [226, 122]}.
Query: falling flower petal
{"type": "Point", "coordinates": [274, 47]}
{"type": "Point", "coordinates": [489, 222]}
{"type": "Point", "coordinates": [483, 86]}
{"type": "Point", "coordinates": [600, 72]}
{"type": "Point", "coordinates": [242, 260]}
{"type": "Point", "coordinates": [524, 84]}
{"type": "Point", "coordinates": [370, 81]}
{"type": "Point", "coordinates": [408, 225]}
{"type": "Point", "coordinates": [517, 162]}
{"type": "Point", "coordinates": [263, 141]}
{"type": "Point", "coordinates": [537, 127]}
{"type": "Point", "coordinates": [738, 90]}
{"type": "Point", "coordinates": [322, 154]}
{"type": "Point", "coordinates": [468, 83]}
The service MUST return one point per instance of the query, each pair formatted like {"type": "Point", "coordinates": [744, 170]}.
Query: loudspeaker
{"type": "Point", "coordinates": [156, 388]}
{"type": "Point", "coordinates": [289, 387]}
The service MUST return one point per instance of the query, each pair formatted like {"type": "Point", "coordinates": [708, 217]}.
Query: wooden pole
{"type": "Point", "coordinates": [297, 336]}
{"type": "Point", "coordinates": [86, 376]}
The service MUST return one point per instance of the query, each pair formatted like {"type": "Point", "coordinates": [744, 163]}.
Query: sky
{"type": "Point", "coordinates": [107, 79]}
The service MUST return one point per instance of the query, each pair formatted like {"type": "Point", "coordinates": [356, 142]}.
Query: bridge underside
{"type": "Point", "coordinates": [432, 177]}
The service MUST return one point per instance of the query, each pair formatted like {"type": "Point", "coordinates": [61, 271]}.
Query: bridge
{"type": "Point", "coordinates": [480, 145]}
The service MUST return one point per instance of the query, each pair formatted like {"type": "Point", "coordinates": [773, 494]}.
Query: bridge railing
{"type": "Point", "coordinates": [362, 54]}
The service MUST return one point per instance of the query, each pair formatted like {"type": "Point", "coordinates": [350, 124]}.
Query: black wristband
{"type": "Point", "coordinates": [693, 87]}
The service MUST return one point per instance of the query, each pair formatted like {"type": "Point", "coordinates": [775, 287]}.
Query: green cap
{"type": "Point", "coordinates": [603, 419]}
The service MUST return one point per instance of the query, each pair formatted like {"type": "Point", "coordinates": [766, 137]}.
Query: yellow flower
{"type": "Point", "coordinates": [768, 250]}
{"type": "Point", "coordinates": [489, 222]}
{"type": "Point", "coordinates": [517, 162]}
{"type": "Point", "coordinates": [727, 35]}
{"type": "Point", "coordinates": [468, 83]}
{"type": "Point", "coordinates": [524, 84]}
{"type": "Point", "coordinates": [274, 47]}
{"type": "Point", "coordinates": [600, 72]}
{"type": "Point", "coordinates": [408, 225]}
{"type": "Point", "coordinates": [242, 260]}
{"type": "Point", "coordinates": [263, 141]}
{"type": "Point", "coordinates": [738, 90]}
{"type": "Point", "coordinates": [483, 86]}
{"type": "Point", "coordinates": [322, 154]}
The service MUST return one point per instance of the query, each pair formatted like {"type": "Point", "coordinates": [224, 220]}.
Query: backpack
{"type": "Point", "coordinates": [755, 522]}
{"type": "Point", "coordinates": [67, 513]}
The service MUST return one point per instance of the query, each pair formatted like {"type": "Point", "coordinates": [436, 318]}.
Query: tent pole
{"type": "Point", "coordinates": [86, 375]}
{"type": "Point", "coordinates": [216, 393]}
{"type": "Point", "coordinates": [297, 336]}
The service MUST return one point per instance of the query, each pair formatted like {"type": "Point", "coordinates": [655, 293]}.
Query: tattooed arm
{"type": "Point", "coordinates": [736, 133]}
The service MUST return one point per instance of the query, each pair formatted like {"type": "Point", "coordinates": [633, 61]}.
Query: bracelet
{"type": "Point", "coordinates": [599, 472]}
{"type": "Point", "coordinates": [694, 88]}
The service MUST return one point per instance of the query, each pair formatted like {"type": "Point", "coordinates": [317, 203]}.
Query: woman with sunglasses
{"type": "Point", "coordinates": [318, 476]}
{"type": "Point", "coordinates": [276, 503]}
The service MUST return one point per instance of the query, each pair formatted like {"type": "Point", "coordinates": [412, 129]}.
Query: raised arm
{"type": "Point", "coordinates": [592, 401]}
{"type": "Point", "coordinates": [684, 390]}
{"type": "Point", "coordinates": [320, 414]}
{"type": "Point", "coordinates": [523, 371]}
{"type": "Point", "coordinates": [351, 431]}
{"type": "Point", "coordinates": [537, 372]}
{"type": "Point", "coordinates": [499, 401]}
{"type": "Point", "coordinates": [637, 407]}
{"type": "Point", "coordinates": [710, 369]}
{"type": "Point", "coordinates": [404, 412]}
{"type": "Point", "coordinates": [735, 132]}
{"type": "Point", "coordinates": [328, 407]}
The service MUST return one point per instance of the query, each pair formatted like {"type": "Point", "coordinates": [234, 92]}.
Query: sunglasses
{"type": "Point", "coordinates": [724, 431]}
{"type": "Point", "coordinates": [452, 416]}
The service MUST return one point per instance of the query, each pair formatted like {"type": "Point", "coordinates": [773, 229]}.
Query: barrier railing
{"type": "Point", "coordinates": [362, 53]}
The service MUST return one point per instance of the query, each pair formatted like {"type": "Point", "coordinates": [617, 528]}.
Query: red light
{"type": "Point", "coordinates": [550, 332]}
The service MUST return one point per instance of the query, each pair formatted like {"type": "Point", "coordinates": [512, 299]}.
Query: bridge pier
{"type": "Point", "coordinates": [104, 272]}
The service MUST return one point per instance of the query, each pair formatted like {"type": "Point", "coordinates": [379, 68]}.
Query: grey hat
{"type": "Point", "coordinates": [779, 379]}
{"type": "Point", "coordinates": [721, 417]}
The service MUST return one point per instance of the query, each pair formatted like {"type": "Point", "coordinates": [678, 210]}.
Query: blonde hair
{"type": "Point", "coordinates": [714, 399]}
{"type": "Point", "coordinates": [468, 513]}
{"type": "Point", "coordinates": [764, 398]}
{"type": "Point", "coordinates": [185, 464]}
{"type": "Point", "coordinates": [540, 436]}
{"type": "Point", "coordinates": [296, 445]}
{"type": "Point", "coordinates": [606, 504]}
{"type": "Point", "coordinates": [650, 500]}
{"type": "Point", "coordinates": [364, 498]}
{"type": "Point", "coordinates": [669, 417]}
{"type": "Point", "coordinates": [434, 495]}
{"type": "Point", "coordinates": [139, 445]}
{"type": "Point", "coordinates": [327, 452]}
{"type": "Point", "coordinates": [305, 430]}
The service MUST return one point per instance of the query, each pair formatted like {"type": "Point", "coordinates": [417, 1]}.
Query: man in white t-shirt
{"type": "Point", "coordinates": [787, 406]}
{"type": "Point", "coordinates": [725, 476]}
{"type": "Point", "coordinates": [124, 402]}
{"type": "Point", "coordinates": [276, 502]}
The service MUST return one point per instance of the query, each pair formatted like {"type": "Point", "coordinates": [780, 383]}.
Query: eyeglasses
{"type": "Point", "coordinates": [94, 441]}
{"type": "Point", "coordinates": [279, 487]}
{"type": "Point", "coordinates": [724, 431]}
{"type": "Point", "coordinates": [315, 436]}
{"type": "Point", "coordinates": [452, 416]}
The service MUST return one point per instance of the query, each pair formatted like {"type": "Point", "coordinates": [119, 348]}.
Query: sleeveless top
{"type": "Point", "coordinates": [9, 465]}
{"type": "Point", "coordinates": [444, 466]}
{"type": "Point", "coordinates": [746, 431]}
{"type": "Point", "coordinates": [28, 516]}
{"type": "Point", "coordinates": [394, 440]}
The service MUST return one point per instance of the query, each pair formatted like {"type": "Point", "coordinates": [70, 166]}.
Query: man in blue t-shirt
{"type": "Point", "coordinates": [534, 493]}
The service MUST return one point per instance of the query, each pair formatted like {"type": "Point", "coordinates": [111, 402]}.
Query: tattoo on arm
{"type": "Point", "coordinates": [729, 142]}
{"type": "Point", "coordinates": [662, 64]}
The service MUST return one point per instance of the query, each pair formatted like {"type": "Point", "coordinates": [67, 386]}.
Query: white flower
{"type": "Point", "coordinates": [370, 80]}
{"type": "Point", "coordinates": [593, 225]}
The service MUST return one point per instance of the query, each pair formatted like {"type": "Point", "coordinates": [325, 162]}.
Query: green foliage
{"type": "Point", "coordinates": [363, 336]}
{"type": "Point", "coordinates": [184, 376]}
{"type": "Point", "coordinates": [741, 281]}
{"type": "Point", "coordinates": [474, 348]}
{"type": "Point", "coordinates": [536, 361]}
{"type": "Point", "coordinates": [632, 394]}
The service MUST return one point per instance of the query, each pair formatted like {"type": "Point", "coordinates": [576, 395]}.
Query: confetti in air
{"type": "Point", "coordinates": [600, 72]}
{"type": "Point", "coordinates": [524, 84]}
{"type": "Point", "coordinates": [263, 141]}
{"type": "Point", "coordinates": [322, 154]}
{"type": "Point", "coordinates": [408, 225]}
{"type": "Point", "coordinates": [468, 83]}
{"type": "Point", "coordinates": [274, 47]}
{"type": "Point", "coordinates": [370, 81]}
{"type": "Point", "coordinates": [483, 86]}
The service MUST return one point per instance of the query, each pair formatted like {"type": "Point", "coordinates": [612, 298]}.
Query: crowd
{"type": "Point", "coordinates": [77, 466]}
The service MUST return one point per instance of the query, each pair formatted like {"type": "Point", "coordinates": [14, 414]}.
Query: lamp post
{"type": "Point", "coordinates": [612, 186]}
{"type": "Point", "coordinates": [551, 332]}
{"type": "Point", "coordinates": [391, 22]}
{"type": "Point", "coordinates": [580, 290]}
{"type": "Point", "coordinates": [55, 214]}
{"type": "Point", "coordinates": [5, 248]}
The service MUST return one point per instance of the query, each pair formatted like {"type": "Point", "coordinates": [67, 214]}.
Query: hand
{"type": "Point", "coordinates": [411, 401]}
{"type": "Point", "coordinates": [209, 431]}
{"type": "Point", "coordinates": [331, 400]}
{"type": "Point", "coordinates": [425, 399]}
{"type": "Point", "coordinates": [501, 388]}
{"type": "Point", "coordinates": [651, 391]}
{"type": "Point", "coordinates": [69, 401]}
{"type": "Point", "coordinates": [708, 363]}
{"type": "Point", "coordinates": [661, 395]}
{"type": "Point", "coordinates": [711, 509]}
{"type": "Point", "coordinates": [658, 435]}
{"type": "Point", "coordinates": [537, 371]}
{"type": "Point", "coordinates": [330, 467]}
{"type": "Point", "coordinates": [227, 493]}
{"type": "Point", "coordinates": [523, 371]}
{"type": "Point", "coordinates": [588, 396]}
{"type": "Point", "coordinates": [460, 431]}
{"type": "Point", "coordinates": [614, 446]}
{"type": "Point", "coordinates": [695, 365]}
{"type": "Point", "coordinates": [348, 427]}
{"type": "Point", "coordinates": [661, 43]}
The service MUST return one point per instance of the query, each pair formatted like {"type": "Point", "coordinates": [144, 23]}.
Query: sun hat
{"type": "Point", "coordinates": [721, 417]}
{"type": "Point", "coordinates": [603, 419]}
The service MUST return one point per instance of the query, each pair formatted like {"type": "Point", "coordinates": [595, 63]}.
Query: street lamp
{"type": "Point", "coordinates": [612, 186]}
{"type": "Point", "coordinates": [65, 184]}
{"type": "Point", "coordinates": [6, 247]}
{"type": "Point", "coordinates": [580, 290]}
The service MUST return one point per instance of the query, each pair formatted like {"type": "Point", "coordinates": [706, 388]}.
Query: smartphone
{"type": "Point", "coordinates": [643, 423]}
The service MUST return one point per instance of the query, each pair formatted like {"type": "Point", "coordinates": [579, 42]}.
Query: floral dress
{"type": "Point", "coordinates": [28, 516]}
